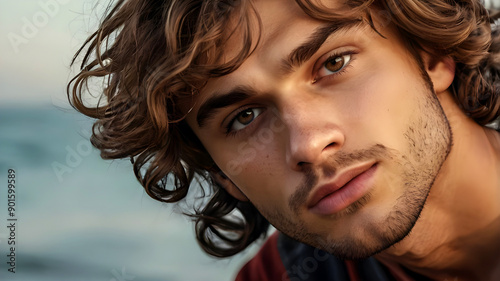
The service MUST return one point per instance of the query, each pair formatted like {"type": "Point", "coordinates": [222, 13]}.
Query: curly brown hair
{"type": "Point", "coordinates": [153, 54]}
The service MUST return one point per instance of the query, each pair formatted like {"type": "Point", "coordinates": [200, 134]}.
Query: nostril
{"type": "Point", "coordinates": [333, 144]}
{"type": "Point", "coordinates": [310, 145]}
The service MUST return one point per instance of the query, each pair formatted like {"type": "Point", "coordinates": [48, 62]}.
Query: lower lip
{"type": "Point", "coordinates": [348, 194]}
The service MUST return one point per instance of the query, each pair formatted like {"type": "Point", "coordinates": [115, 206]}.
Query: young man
{"type": "Point", "coordinates": [354, 127]}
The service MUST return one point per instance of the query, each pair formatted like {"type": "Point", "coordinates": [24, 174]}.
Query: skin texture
{"type": "Point", "coordinates": [424, 206]}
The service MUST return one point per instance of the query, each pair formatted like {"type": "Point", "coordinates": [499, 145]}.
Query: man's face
{"type": "Point", "coordinates": [337, 147]}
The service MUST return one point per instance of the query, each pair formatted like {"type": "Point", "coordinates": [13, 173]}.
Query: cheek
{"type": "Point", "coordinates": [256, 165]}
{"type": "Point", "coordinates": [384, 104]}
{"type": "Point", "coordinates": [262, 177]}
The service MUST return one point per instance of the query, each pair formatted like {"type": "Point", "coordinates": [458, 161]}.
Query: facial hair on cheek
{"type": "Point", "coordinates": [428, 139]}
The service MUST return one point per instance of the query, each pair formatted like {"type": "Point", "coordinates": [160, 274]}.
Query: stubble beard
{"type": "Point", "coordinates": [429, 139]}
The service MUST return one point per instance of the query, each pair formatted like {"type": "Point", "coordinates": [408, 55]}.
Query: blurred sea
{"type": "Point", "coordinates": [82, 218]}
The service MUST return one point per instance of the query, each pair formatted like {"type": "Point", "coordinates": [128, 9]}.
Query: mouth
{"type": "Point", "coordinates": [347, 187]}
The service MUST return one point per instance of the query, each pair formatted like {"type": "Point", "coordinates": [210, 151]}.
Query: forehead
{"type": "Point", "coordinates": [278, 16]}
{"type": "Point", "coordinates": [283, 26]}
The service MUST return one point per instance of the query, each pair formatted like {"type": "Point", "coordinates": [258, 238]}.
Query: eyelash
{"type": "Point", "coordinates": [230, 124]}
{"type": "Point", "coordinates": [332, 57]}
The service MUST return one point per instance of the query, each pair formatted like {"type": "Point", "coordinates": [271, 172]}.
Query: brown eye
{"type": "Point", "coordinates": [335, 64]}
{"type": "Point", "coordinates": [246, 117]}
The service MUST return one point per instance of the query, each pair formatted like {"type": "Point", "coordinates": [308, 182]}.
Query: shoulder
{"type": "Point", "coordinates": [284, 259]}
{"type": "Point", "coordinates": [266, 265]}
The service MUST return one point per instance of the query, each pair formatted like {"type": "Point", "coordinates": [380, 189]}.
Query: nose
{"type": "Point", "coordinates": [314, 134]}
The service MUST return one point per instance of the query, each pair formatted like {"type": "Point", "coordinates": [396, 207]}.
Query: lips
{"type": "Point", "coordinates": [346, 188]}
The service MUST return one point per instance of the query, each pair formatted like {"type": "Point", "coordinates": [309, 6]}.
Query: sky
{"type": "Point", "coordinates": [38, 40]}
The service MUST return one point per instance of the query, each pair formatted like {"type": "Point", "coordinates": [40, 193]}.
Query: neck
{"type": "Point", "coordinates": [457, 234]}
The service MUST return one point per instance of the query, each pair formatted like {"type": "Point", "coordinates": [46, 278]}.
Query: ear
{"type": "Point", "coordinates": [228, 185]}
{"type": "Point", "coordinates": [441, 70]}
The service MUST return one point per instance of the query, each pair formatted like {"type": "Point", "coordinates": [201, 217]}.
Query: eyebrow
{"type": "Point", "coordinates": [296, 58]}
{"type": "Point", "coordinates": [307, 49]}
